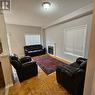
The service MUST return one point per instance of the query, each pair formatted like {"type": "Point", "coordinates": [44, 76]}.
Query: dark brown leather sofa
{"type": "Point", "coordinates": [72, 76]}
{"type": "Point", "coordinates": [34, 50]}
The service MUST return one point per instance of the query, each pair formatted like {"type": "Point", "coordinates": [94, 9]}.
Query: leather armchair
{"type": "Point", "coordinates": [25, 68]}
{"type": "Point", "coordinates": [72, 76]}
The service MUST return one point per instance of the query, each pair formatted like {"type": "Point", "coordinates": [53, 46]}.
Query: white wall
{"type": "Point", "coordinates": [54, 34]}
{"type": "Point", "coordinates": [17, 34]}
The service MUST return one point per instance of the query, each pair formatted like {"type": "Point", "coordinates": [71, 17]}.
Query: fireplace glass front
{"type": "Point", "coordinates": [50, 49]}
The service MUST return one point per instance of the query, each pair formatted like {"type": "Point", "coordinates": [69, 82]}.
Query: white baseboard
{"type": "Point", "coordinates": [64, 59]}
{"type": "Point", "coordinates": [7, 89]}
{"type": "Point", "coordinates": [8, 86]}
{"type": "Point", "coordinates": [61, 58]}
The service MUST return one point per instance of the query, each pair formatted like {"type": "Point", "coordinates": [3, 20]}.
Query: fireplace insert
{"type": "Point", "coordinates": [50, 50]}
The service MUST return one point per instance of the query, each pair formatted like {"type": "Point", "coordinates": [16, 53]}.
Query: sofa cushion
{"type": "Point", "coordinates": [36, 47]}
{"type": "Point", "coordinates": [71, 69]}
{"type": "Point", "coordinates": [33, 47]}
{"type": "Point", "coordinates": [34, 51]}
{"type": "Point", "coordinates": [68, 70]}
{"type": "Point", "coordinates": [25, 59]}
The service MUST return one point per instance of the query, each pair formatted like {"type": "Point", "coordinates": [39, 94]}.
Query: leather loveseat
{"type": "Point", "coordinates": [72, 76]}
{"type": "Point", "coordinates": [34, 50]}
{"type": "Point", "coordinates": [25, 68]}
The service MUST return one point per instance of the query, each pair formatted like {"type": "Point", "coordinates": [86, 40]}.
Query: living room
{"type": "Point", "coordinates": [54, 30]}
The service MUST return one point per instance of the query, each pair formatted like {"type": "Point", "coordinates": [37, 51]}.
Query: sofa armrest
{"type": "Point", "coordinates": [25, 59]}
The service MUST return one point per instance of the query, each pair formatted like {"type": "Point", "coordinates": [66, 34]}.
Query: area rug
{"type": "Point", "coordinates": [47, 63]}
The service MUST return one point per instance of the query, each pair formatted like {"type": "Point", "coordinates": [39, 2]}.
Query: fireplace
{"type": "Point", "coordinates": [50, 50]}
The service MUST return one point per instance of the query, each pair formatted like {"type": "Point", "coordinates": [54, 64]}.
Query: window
{"type": "Point", "coordinates": [74, 40]}
{"type": "Point", "coordinates": [32, 39]}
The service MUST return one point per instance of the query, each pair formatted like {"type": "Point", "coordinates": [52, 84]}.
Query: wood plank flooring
{"type": "Point", "coordinates": [40, 85]}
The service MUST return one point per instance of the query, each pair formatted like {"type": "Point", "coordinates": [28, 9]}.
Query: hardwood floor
{"type": "Point", "coordinates": [40, 85]}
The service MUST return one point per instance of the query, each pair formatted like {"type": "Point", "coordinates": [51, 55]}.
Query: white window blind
{"type": "Point", "coordinates": [74, 40]}
{"type": "Point", "coordinates": [32, 39]}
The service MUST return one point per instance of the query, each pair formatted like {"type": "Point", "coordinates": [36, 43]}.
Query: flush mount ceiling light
{"type": "Point", "coordinates": [46, 5]}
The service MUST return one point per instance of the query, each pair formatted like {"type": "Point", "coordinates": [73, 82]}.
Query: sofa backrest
{"type": "Point", "coordinates": [80, 63]}
{"type": "Point", "coordinates": [80, 60]}
{"type": "Point", "coordinates": [33, 47]}
{"type": "Point", "coordinates": [15, 61]}
{"type": "Point", "coordinates": [83, 65]}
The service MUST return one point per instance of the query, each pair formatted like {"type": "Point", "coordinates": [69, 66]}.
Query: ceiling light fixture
{"type": "Point", "coordinates": [46, 5]}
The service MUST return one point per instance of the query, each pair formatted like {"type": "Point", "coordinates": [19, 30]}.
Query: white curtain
{"type": "Point", "coordinates": [74, 40]}
{"type": "Point", "coordinates": [32, 39]}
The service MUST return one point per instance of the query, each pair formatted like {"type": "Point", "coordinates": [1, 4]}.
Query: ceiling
{"type": "Point", "coordinates": [30, 12]}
